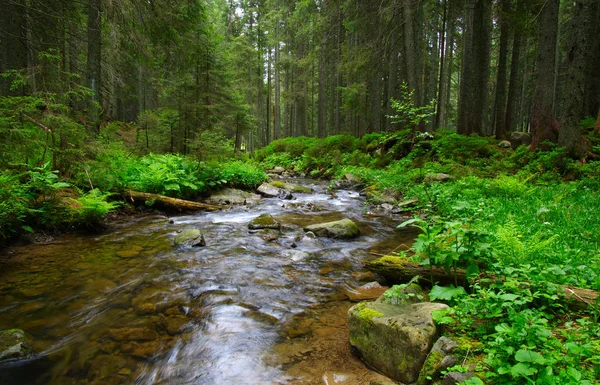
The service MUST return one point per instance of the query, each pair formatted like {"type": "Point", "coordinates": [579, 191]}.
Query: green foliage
{"type": "Point", "coordinates": [171, 175]}
{"type": "Point", "coordinates": [90, 209]}
{"type": "Point", "coordinates": [231, 174]}
{"type": "Point", "coordinates": [406, 110]}
{"type": "Point", "coordinates": [14, 205]}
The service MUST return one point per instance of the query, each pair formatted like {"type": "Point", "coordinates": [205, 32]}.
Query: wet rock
{"type": "Point", "coordinates": [292, 187]}
{"type": "Point", "coordinates": [105, 365]}
{"type": "Point", "coordinates": [234, 197]}
{"type": "Point", "coordinates": [143, 308]}
{"type": "Point", "coordinates": [14, 345]}
{"type": "Point", "coordinates": [125, 372]}
{"type": "Point", "coordinates": [342, 229]}
{"type": "Point", "coordinates": [504, 144]}
{"type": "Point", "coordinates": [133, 334]}
{"type": "Point", "coordinates": [278, 170]}
{"type": "Point", "coordinates": [131, 252]}
{"type": "Point", "coordinates": [100, 285]}
{"type": "Point", "coordinates": [519, 138]}
{"type": "Point", "coordinates": [453, 378]}
{"type": "Point", "coordinates": [271, 191]}
{"type": "Point", "coordinates": [174, 325]}
{"type": "Point", "coordinates": [395, 340]}
{"type": "Point", "coordinates": [438, 177]}
{"type": "Point", "coordinates": [439, 359]}
{"type": "Point", "coordinates": [353, 178]}
{"type": "Point", "coordinates": [369, 291]}
{"type": "Point", "coordinates": [270, 235]}
{"type": "Point", "coordinates": [264, 221]}
{"type": "Point", "coordinates": [190, 238]}
{"type": "Point", "coordinates": [408, 203]}
{"type": "Point", "coordinates": [32, 307]}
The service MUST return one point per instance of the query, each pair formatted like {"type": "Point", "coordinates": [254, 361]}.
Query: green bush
{"type": "Point", "coordinates": [90, 209]}
{"type": "Point", "coordinates": [233, 174]}
{"type": "Point", "coordinates": [14, 206]}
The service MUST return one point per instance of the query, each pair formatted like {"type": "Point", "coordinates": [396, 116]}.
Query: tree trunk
{"type": "Point", "coordinates": [94, 35]}
{"type": "Point", "coordinates": [574, 92]}
{"type": "Point", "coordinates": [168, 202]}
{"type": "Point", "coordinates": [441, 84]}
{"type": "Point", "coordinates": [510, 120]}
{"type": "Point", "coordinates": [473, 106]}
{"type": "Point", "coordinates": [544, 126]}
{"type": "Point", "coordinates": [14, 43]}
{"type": "Point", "coordinates": [411, 53]}
{"type": "Point", "coordinates": [500, 99]}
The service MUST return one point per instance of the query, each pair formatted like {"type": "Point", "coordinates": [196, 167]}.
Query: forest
{"type": "Point", "coordinates": [474, 124]}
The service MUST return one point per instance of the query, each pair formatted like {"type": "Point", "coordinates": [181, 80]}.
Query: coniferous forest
{"type": "Point", "coordinates": [473, 126]}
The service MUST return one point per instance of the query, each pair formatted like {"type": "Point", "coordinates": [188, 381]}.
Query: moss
{"type": "Point", "coordinates": [367, 314]}
{"type": "Point", "coordinates": [393, 260]}
{"type": "Point", "coordinates": [430, 368]}
{"type": "Point", "coordinates": [277, 184]}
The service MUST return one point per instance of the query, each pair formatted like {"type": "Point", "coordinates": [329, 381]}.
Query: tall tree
{"type": "Point", "coordinates": [94, 54]}
{"type": "Point", "coordinates": [472, 108]}
{"type": "Point", "coordinates": [500, 99]}
{"type": "Point", "coordinates": [574, 90]}
{"type": "Point", "coordinates": [544, 126]}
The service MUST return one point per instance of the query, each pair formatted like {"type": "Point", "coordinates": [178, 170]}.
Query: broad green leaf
{"type": "Point", "coordinates": [529, 356]}
{"type": "Point", "coordinates": [522, 370]}
{"type": "Point", "coordinates": [446, 293]}
{"type": "Point", "coordinates": [408, 222]}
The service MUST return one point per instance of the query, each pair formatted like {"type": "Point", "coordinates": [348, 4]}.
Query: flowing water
{"type": "Point", "coordinates": [127, 307]}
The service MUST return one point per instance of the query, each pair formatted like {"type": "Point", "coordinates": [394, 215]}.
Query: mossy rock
{"type": "Point", "coordinates": [292, 187]}
{"type": "Point", "coordinates": [395, 340]}
{"type": "Point", "coordinates": [342, 229]}
{"type": "Point", "coordinates": [190, 238]}
{"type": "Point", "coordinates": [264, 221]}
{"type": "Point", "coordinates": [14, 345]}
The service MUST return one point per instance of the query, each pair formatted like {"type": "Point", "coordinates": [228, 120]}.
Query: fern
{"type": "Point", "coordinates": [512, 248]}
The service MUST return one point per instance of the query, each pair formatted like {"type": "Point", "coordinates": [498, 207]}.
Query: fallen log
{"type": "Point", "coordinates": [401, 270]}
{"type": "Point", "coordinates": [168, 202]}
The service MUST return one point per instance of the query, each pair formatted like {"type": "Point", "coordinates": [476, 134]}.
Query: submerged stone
{"type": "Point", "coordinates": [395, 340]}
{"type": "Point", "coordinates": [190, 238]}
{"type": "Point", "coordinates": [264, 221]}
{"type": "Point", "coordinates": [14, 345]}
{"type": "Point", "coordinates": [342, 229]}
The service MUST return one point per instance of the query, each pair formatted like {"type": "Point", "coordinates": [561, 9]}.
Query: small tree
{"type": "Point", "coordinates": [407, 113]}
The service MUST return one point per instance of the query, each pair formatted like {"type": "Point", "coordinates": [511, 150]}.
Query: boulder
{"type": "Point", "coordinates": [233, 196]}
{"type": "Point", "coordinates": [190, 238]}
{"type": "Point", "coordinates": [264, 221]}
{"type": "Point", "coordinates": [270, 235]}
{"type": "Point", "coordinates": [368, 291]}
{"type": "Point", "coordinates": [352, 178]}
{"type": "Point", "coordinates": [453, 378]}
{"type": "Point", "coordinates": [278, 170]}
{"type": "Point", "coordinates": [14, 345]}
{"type": "Point", "coordinates": [439, 359]}
{"type": "Point", "coordinates": [293, 187]}
{"type": "Point", "coordinates": [519, 138]}
{"type": "Point", "coordinates": [271, 191]}
{"type": "Point", "coordinates": [438, 177]}
{"type": "Point", "coordinates": [395, 340]}
{"type": "Point", "coordinates": [505, 144]}
{"type": "Point", "coordinates": [342, 229]}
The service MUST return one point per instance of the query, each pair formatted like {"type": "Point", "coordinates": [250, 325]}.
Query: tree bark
{"type": "Point", "coordinates": [544, 126]}
{"type": "Point", "coordinates": [94, 56]}
{"type": "Point", "coordinates": [14, 43]}
{"type": "Point", "coordinates": [168, 202]}
{"type": "Point", "coordinates": [574, 92]}
{"type": "Point", "coordinates": [510, 120]}
{"type": "Point", "coordinates": [500, 98]}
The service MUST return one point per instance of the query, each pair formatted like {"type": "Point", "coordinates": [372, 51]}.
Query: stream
{"type": "Point", "coordinates": [127, 307]}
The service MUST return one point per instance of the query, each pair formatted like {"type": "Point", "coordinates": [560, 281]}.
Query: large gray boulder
{"type": "Point", "coordinates": [271, 191]}
{"type": "Point", "coordinates": [14, 345]}
{"type": "Point", "coordinates": [233, 196]}
{"type": "Point", "coordinates": [190, 238]}
{"type": "Point", "coordinates": [438, 360]}
{"type": "Point", "coordinates": [342, 229]}
{"type": "Point", "coordinates": [519, 138]}
{"type": "Point", "coordinates": [395, 340]}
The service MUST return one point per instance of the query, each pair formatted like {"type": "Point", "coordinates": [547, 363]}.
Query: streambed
{"type": "Point", "coordinates": [127, 307]}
